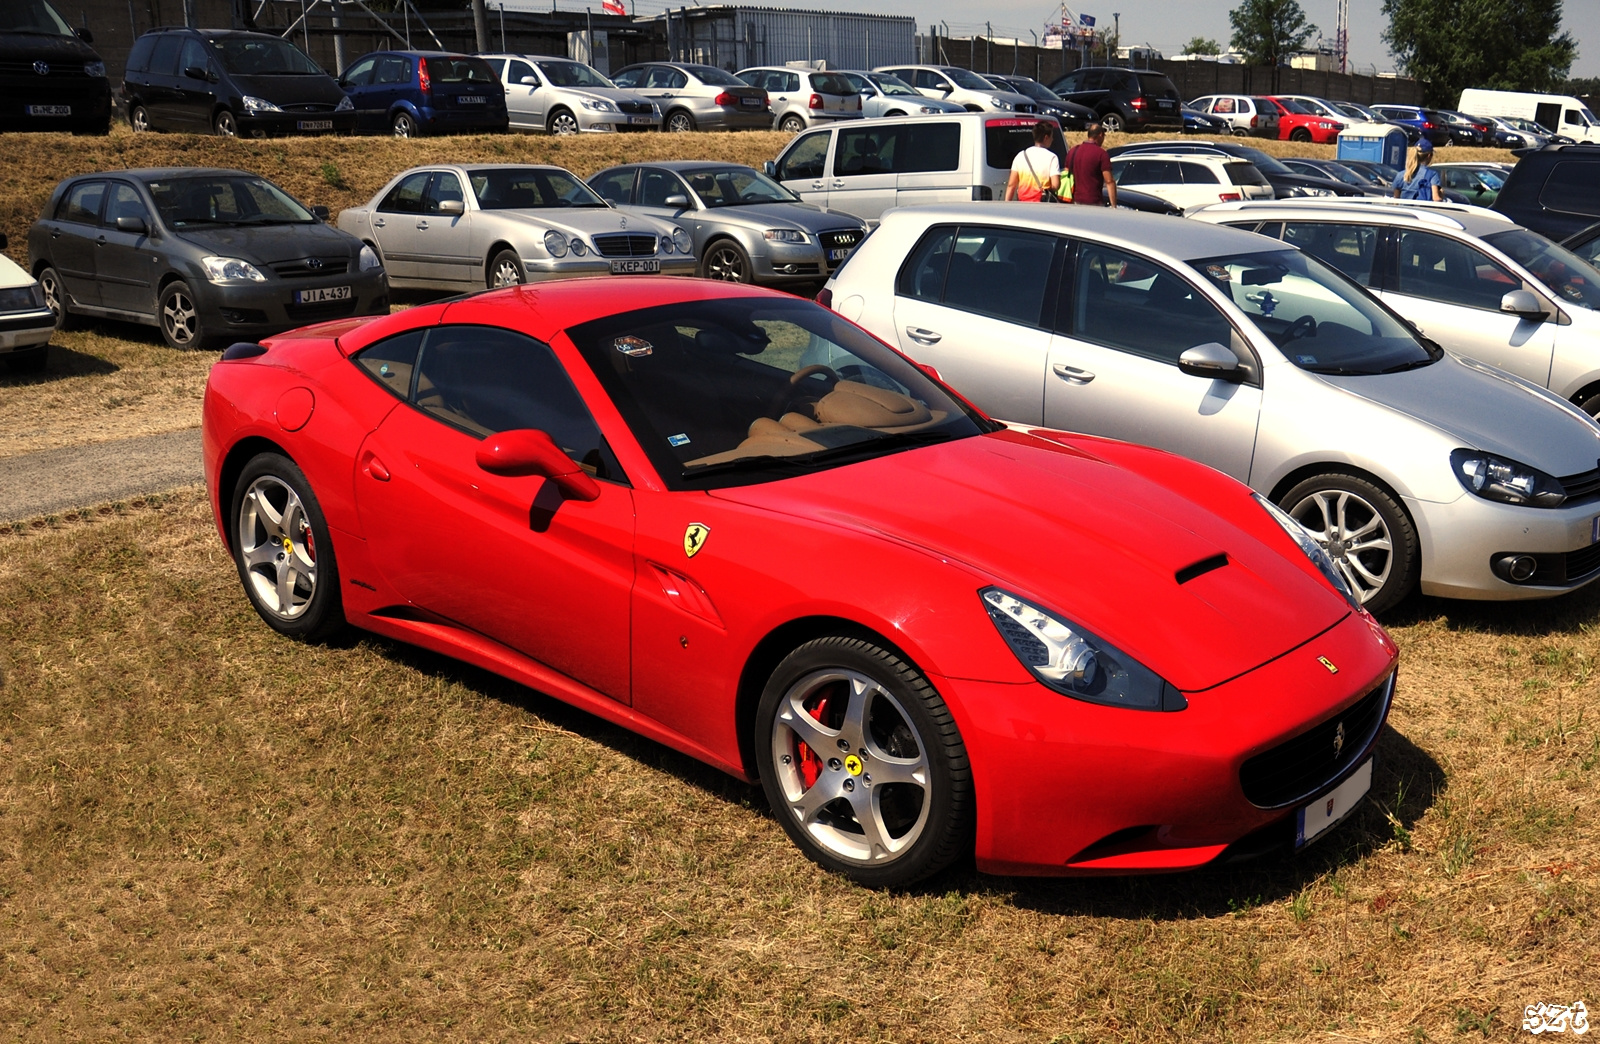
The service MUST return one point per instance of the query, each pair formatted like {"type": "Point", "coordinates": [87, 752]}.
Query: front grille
{"type": "Point", "coordinates": [316, 313]}
{"type": "Point", "coordinates": [1581, 485]}
{"type": "Point", "coordinates": [625, 246]}
{"type": "Point", "coordinates": [302, 268]}
{"type": "Point", "coordinates": [59, 69]}
{"type": "Point", "coordinates": [1581, 563]}
{"type": "Point", "coordinates": [309, 107]}
{"type": "Point", "coordinates": [1027, 107]}
{"type": "Point", "coordinates": [637, 108]}
{"type": "Point", "coordinates": [847, 237]}
{"type": "Point", "coordinates": [1295, 770]}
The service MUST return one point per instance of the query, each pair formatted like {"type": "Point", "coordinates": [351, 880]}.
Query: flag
{"type": "Point", "coordinates": [613, 7]}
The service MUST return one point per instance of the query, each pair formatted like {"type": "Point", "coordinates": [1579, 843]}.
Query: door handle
{"type": "Point", "coordinates": [818, 185]}
{"type": "Point", "coordinates": [378, 223]}
{"type": "Point", "coordinates": [101, 241]}
{"type": "Point", "coordinates": [921, 336]}
{"type": "Point", "coordinates": [422, 224]}
{"type": "Point", "coordinates": [837, 183]}
{"type": "Point", "coordinates": [1072, 373]}
{"type": "Point", "coordinates": [55, 233]}
{"type": "Point", "coordinates": [371, 465]}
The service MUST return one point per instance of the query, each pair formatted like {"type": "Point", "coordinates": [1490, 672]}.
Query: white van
{"type": "Point", "coordinates": [864, 167]}
{"type": "Point", "coordinates": [1557, 113]}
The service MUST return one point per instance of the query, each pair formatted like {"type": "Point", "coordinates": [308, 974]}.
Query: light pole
{"type": "Point", "coordinates": [1116, 34]}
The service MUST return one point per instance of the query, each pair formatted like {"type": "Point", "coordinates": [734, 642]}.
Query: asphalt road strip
{"type": "Point", "coordinates": [53, 481]}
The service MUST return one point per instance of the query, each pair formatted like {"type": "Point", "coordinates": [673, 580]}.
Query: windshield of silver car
{"type": "Point", "coordinates": [1569, 276]}
{"type": "Point", "coordinates": [522, 188]}
{"type": "Point", "coordinates": [750, 389]}
{"type": "Point", "coordinates": [736, 186]}
{"type": "Point", "coordinates": [1319, 319]}
{"type": "Point", "coordinates": [224, 199]}
{"type": "Point", "coordinates": [572, 74]}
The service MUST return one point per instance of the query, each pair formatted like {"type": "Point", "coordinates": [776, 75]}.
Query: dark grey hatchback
{"type": "Point", "coordinates": [205, 255]}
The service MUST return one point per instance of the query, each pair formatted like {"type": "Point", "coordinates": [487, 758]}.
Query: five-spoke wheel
{"type": "Point", "coordinates": [224, 125]}
{"type": "Point", "coordinates": [679, 121]}
{"type": "Point", "coordinates": [139, 119]}
{"type": "Point", "coordinates": [282, 549]}
{"type": "Point", "coordinates": [1364, 530]}
{"type": "Point", "coordinates": [180, 317]}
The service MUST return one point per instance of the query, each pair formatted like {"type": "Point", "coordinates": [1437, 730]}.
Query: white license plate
{"type": "Point", "coordinates": [320, 294]}
{"type": "Point", "coordinates": [1311, 821]}
{"type": "Point", "coordinates": [471, 99]}
{"type": "Point", "coordinates": [49, 110]}
{"type": "Point", "coordinates": [635, 267]}
{"type": "Point", "coordinates": [839, 253]}
{"type": "Point", "coordinates": [314, 125]}
{"type": "Point", "coordinates": [640, 119]}
{"type": "Point", "coordinates": [750, 103]}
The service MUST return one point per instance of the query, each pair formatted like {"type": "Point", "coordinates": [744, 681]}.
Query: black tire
{"type": "Point", "coordinates": [899, 724]}
{"type": "Point", "coordinates": [56, 297]}
{"type": "Point", "coordinates": [224, 125]}
{"type": "Point", "coordinates": [1336, 506]}
{"type": "Point", "coordinates": [678, 121]}
{"type": "Point", "coordinates": [404, 125]}
{"type": "Point", "coordinates": [562, 122]}
{"type": "Point", "coordinates": [139, 119]}
{"type": "Point", "coordinates": [28, 360]}
{"type": "Point", "coordinates": [1112, 122]}
{"type": "Point", "coordinates": [895, 112]}
{"type": "Point", "coordinates": [793, 124]}
{"type": "Point", "coordinates": [274, 557]}
{"type": "Point", "coordinates": [726, 260]}
{"type": "Point", "coordinates": [505, 270]}
{"type": "Point", "coordinates": [1241, 132]}
{"type": "Point", "coordinates": [1299, 134]}
{"type": "Point", "coordinates": [178, 314]}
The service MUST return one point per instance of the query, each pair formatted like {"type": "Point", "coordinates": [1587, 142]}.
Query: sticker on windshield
{"type": "Point", "coordinates": [635, 346]}
{"type": "Point", "coordinates": [1219, 272]}
{"type": "Point", "coordinates": [1306, 360]}
{"type": "Point", "coordinates": [677, 440]}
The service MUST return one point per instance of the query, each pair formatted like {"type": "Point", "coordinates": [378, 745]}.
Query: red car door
{"type": "Point", "coordinates": [507, 557]}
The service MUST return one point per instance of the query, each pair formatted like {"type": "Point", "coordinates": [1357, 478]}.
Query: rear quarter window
{"type": "Point", "coordinates": [1246, 174]}
{"type": "Point", "coordinates": [1573, 187]}
{"type": "Point", "coordinates": [139, 56]}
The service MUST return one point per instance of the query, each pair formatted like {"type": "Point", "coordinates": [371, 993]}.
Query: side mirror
{"type": "Point", "coordinates": [1211, 360]}
{"type": "Point", "coordinates": [529, 81]}
{"type": "Point", "coordinates": [532, 452]}
{"type": "Point", "coordinates": [770, 169]}
{"type": "Point", "coordinates": [1522, 303]}
{"type": "Point", "coordinates": [320, 212]}
{"type": "Point", "coordinates": [195, 72]}
{"type": "Point", "coordinates": [132, 224]}
{"type": "Point", "coordinates": [677, 199]}
{"type": "Point", "coordinates": [84, 34]}
{"type": "Point", "coordinates": [453, 207]}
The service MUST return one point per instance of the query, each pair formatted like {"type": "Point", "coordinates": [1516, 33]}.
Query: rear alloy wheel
{"type": "Point", "coordinates": [863, 764]}
{"type": "Point", "coordinates": [139, 119]}
{"type": "Point", "coordinates": [1299, 134]}
{"type": "Point", "coordinates": [793, 124]}
{"type": "Point", "coordinates": [727, 261]}
{"type": "Point", "coordinates": [679, 121]}
{"type": "Point", "coordinates": [404, 125]}
{"type": "Point", "coordinates": [562, 122]}
{"type": "Point", "coordinates": [1364, 530]}
{"type": "Point", "coordinates": [55, 297]}
{"type": "Point", "coordinates": [281, 546]}
{"type": "Point", "coordinates": [225, 125]}
{"type": "Point", "coordinates": [506, 270]}
{"type": "Point", "coordinates": [1112, 122]}
{"type": "Point", "coordinates": [180, 317]}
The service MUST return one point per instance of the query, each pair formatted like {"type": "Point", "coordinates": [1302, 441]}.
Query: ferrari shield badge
{"type": "Point", "coordinates": [694, 538]}
{"type": "Point", "coordinates": [1328, 664]}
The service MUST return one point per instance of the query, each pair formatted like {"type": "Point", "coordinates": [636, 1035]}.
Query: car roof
{"type": "Point", "coordinates": [1137, 232]}
{"type": "Point", "coordinates": [147, 173]}
{"type": "Point", "coordinates": [1187, 156]}
{"type": "Point", "coordinates": [685, 165]}
{"type": "Point", "coordinates": [1475, 221]}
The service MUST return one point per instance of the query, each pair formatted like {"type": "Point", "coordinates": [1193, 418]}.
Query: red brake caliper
{"type": "Point", "coordinates": [810, 763]}
{"type": "Point", "coordinates": [308, 542]}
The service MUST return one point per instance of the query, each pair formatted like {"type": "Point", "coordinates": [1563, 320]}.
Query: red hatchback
{"type": "Point", "coordinates": [739, 525]}
{"type": "Point", "coordinates": [1298, 123]}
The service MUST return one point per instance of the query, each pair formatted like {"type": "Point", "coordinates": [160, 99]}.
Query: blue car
{"type": "Point", "coordinates": [410, 93]}
{"type": "Point", "coordinates": [1427, 122]}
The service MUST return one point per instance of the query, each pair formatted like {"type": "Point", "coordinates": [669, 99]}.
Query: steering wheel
{"type": "Point", "coordinates": [780, 401]}
{"type": "Point", "coordinates": [1305, 326]}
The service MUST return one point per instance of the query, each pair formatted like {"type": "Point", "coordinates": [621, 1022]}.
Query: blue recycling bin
{"type": "Point", "coordinates": [1373, 142]}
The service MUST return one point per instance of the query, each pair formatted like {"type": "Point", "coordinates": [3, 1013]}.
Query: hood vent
{"type": "Point", "coordinates": [1200, 568]}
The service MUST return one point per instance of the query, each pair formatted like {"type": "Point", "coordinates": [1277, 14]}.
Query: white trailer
{"type": "Point", "coordinates": [1556, 113]}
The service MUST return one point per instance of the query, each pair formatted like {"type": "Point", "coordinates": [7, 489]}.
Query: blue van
{"type": "Point", "coordinates": [409, 93]}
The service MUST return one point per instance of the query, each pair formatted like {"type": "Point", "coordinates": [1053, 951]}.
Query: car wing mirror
{"type": "Point", "coordinates": [770, 169]}
{"type": "Point", "coordinates": [677, 199]}
{"type": "Point", "coordinates": [84, 34]}
{"type": "Point", "coordinates": [529, 81]}
{"type": "Point", "coordinates": [529, 451]}
{"type": "Point", "coordinates": [130, 223]}
{"type": "Point", "coordinates": [1211, 360]}
{"type": "Point", "coordinates": [452, 207]}
{"type": "Point", "coordinates": [320, 212]}
{"type": "Point", "coordinates": [1524, 304]}
{"type": "Point", "coordinates": [195, 72]}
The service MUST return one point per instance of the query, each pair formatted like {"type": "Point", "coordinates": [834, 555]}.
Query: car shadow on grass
{"type": "Point", "coordinates": [1564, 614]}
{"type": "Point", "coordinates": [61, 364]}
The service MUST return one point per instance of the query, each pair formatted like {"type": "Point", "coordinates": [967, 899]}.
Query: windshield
{"type": "Point", "coordinates": [223, 199]}
{"type": "Point", "coordinates": [1572, 279]}
{"type": "Point", "coordinates": [1342, 173]}
{"type": "Point", "coordinates": [1264, 162]}
{"type": "Point", "coordinates": [745, 390]}
{"type": "Point", "coordinates": [572, 74]}
{"type": "Point", "coordinates": [714, 77]}
{"type": "Point", "coordinates": [1320, 320]}
{"type": "Point", "coordinates": [263, 56]}
{"type": "Point", "coordinates": [531, 188]}
{"type": "Point", "coordinates": [736, 186]}
{"type": "Point", "coordinates": [1493, 178]}
{"type": "Point", "coordinates": [968, 80]}
{"type": "Point", "coordinates": [893, 86]}
{"type": "Point", "coordinates": [32, 16]}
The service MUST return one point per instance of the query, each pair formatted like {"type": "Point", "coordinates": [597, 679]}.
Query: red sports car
{"type": "Point", "coordinates": [736, 523]}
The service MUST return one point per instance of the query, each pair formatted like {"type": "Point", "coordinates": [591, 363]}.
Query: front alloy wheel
{"type": "Point", "coordinates": [225, 125]}
{"type": "Point", "coordinates": [563, 123]}
{"type": "Point", "coordinates": [282, 549]}
{"type": "Point", "coordinates": [180, 318]}
{"type": "Point", "coordinates": [1365, 532]}
{"type": "Point", "coordinates": [506, 270]}
{"type": "Point", "coordinates": [727, 261]}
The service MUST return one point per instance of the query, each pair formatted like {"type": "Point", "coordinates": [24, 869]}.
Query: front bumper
{"type": "Point", "coordinates": [1068, 788]}
{"type": "Point", "coordinates": [543, 269]}
{"type": "Point", "coordinates": [279, 124]}
{"type": "Point", "coordinates": [257, 310]}
{"type": "Point", "coordinates": [22, 330]}
{"type": "Point", "coordinates": [590, 122]}
{"type": "Point", "coordinates": [1460, 539]}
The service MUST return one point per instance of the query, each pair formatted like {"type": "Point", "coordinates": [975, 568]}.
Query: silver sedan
{"type": "Point", "coordinates": [698, 97]}
{"type": "Point", "coordinates": [466, 227]}
{"type": "Point", "coordinates": [1409, 465]}
{"type": "Point", "coordinates": [746, 227]}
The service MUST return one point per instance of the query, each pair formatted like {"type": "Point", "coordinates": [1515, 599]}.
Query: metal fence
{"type": "Point", "coordinates": [740, 37]}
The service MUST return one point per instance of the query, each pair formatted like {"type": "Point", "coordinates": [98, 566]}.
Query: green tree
{"type": "Point", "coordinates": [1201, 45]}
{"type": "Point", "coordinates": [1268, 31]}
{"type": "Point", "coordinates": [1499, 44]}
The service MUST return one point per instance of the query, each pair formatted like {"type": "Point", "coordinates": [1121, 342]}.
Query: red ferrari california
{"type": "Point", "coordinates": [736, 523]}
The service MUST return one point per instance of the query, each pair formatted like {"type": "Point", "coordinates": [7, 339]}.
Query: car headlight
{"type": "Point", "coordinates": [369, 259]}
{"type": "Point", "coordinates": [681, 240]}
{"type": "Point", "coordinates": [1328, 126]}
{"type": "Point", "coordinates": [255, 105]}
{"type": "Point", "coordinates": [1495, 478]}
{"type": "Point", "coordinates": [597, 105]}
{"type": "Point", "coordinates": [927, 110]}
{"type": "Point", "coordinates": [555, 243]}
{"type": "Point", "coordinates": [1073, 662]}
{"type": "Point", "coordinates": [96, 70]}
{"type": "Point", "coordinates": [1307, 542]}
{"type": "Point", "coordinates": [578, 246]}
{"type": "Point", "coordinates": [1007, 106]}
{"type": "Point", "coordinates": [784, 235]}
{"type": "Point", "coordinates": [345, 105]}
{"type": "Point", "coordinates": [21, 298]}
{"type": "Point", "coordinates": [231, 270]}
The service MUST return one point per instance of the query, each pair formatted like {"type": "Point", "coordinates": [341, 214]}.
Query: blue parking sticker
{"type": "Point", "coordinates": [677, 440]}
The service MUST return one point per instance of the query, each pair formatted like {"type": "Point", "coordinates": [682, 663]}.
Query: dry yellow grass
{"type": "Point", "coordinates": [208, 832]}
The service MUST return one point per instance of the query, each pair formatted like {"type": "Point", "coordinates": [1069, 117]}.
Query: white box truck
{"type": "Point", "coordinates": [1556, 113]}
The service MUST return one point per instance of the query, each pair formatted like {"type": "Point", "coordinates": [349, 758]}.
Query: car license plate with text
{"type": "Point", "coordinates": [635, 267]}
{"type": "Point", "coordinates": [471, 99]}
{"type": "Point", "coordinates": [322, 293]}
{"type": "Point", "coordinates": [1323, 814]}
{"type": "Point", "coordinates": [640, 119]}
{"type": "Point", "coordinates": [314, 125]}
{"type": "Point", "coordinates": [750, 102]}
{"type": "Point", "coordinates": [839, 253]}
{"type": "Point", "coordinates": [49, 110]}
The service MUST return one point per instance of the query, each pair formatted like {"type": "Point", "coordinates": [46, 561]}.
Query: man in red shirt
{"type": "Point", "coordinates": [1090, 167]}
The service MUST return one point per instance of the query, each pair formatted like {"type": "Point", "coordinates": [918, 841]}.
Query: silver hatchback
{"type": "Point", "coordinates": [802, 98]}
{"type": "Point", "coordinates": [697, 97]}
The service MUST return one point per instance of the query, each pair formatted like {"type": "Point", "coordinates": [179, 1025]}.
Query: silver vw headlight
{"type": "Point", "coordinates": [1313, 550]}
{"type": "Point", "coordinates": [1495, 478]}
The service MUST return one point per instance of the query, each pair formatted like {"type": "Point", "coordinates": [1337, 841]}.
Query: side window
{"type": "Point", "coordinates": [391, 362]}
{"type": "Point", "coordinates": [999, 272]}
{"type": "Point", "coordinates": [82, 203]}
{"type": "Point", "coordinates": [929, 146]}
{"type": "Point", "coordinates": [666, 78]}
{"type": "Point", "coordinates": [1570, 187]}
{"type": "Point", "coordinates": [139, 56]}
{"type": "Point", "coordinates": [446, 187]}
{"type": "Point", "coordinates": [865, 150]}
{"type": "Point", "coordinates": [1441, 269]}
{"type": "Point", "coordinates": [406, 197]}
{"type": "Point", "coordinates": [755, 78]}
{"type": "Point", "coordinates": [927, 79]}
{"type": "Point", "coordinates": [1349, 248]}
{"type": "Point", "coordinates": [615, 187]}
{"type": "Point", "coordinates": [485, 380]}
{"type": "Point", "coordinates": [194, 56]}
{"type": "Point", "coordinates": [1198, 174]}
{"type": "Point", "coordinates": [516, 71]}
{"type": "Point", "coordinates": [806, 157]}
{"type": "Point", "coordinates": [657, 185]}
{"type": "Point", "coordinates": [1149, 172]}
{"type": "Point", "coordinates": [164, 61]}
{"type": "Point", "coordinates": [125, 202]}
{"type": "Point", "coordinates": [789, 82]}
{"type": "Point", "coordinates": [1126, 302]}
{"type": "Point", "coordinates": [359, 74]}
{"type": "Point", "coordinates": [392, 69]}
{"type": "Point", "coordinates": [628, 77]}
{"type": "Point", "coordinates": [1571, 117]}
{"type": "Point", "coordinates": [1073, 82]}
{"type": "Point", "coordinates": [922, 275]}
{"type": "Point", "coordinates": [1589, 251]}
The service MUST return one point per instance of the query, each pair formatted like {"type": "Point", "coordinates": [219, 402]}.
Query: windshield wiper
{"type": "Point", "coordinates": [1340, 371]}
{"type": "Point", "coordinates": [1413, 364]}
{"type": "Point", "coordinates": [761, 462]}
